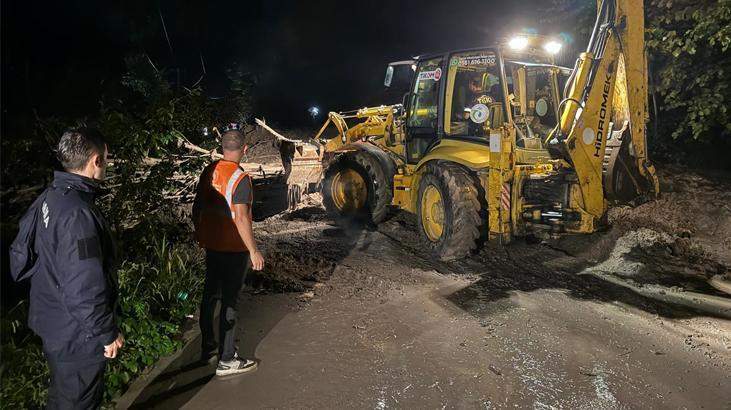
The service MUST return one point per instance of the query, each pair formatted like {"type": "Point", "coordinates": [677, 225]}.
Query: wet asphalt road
{"type": "Point", "coordinates": [390, 329]}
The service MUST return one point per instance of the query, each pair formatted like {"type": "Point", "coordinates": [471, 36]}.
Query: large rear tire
{"type": "Point", "coordinates": [356, 185]}
{"type": "Point", "coordinates": [449, 210]}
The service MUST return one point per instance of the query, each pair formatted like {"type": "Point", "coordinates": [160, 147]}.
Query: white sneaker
{"type": "Point", "coordinates": [236, 365]}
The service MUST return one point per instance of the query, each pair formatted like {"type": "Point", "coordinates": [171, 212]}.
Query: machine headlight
{"type": "Point", "coordinates": [518, 43]}
{"type": "Point", "coordinates": [552, 47]}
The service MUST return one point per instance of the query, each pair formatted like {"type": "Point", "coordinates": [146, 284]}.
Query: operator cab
{"type": "Point", "coordinates": [469, 94]}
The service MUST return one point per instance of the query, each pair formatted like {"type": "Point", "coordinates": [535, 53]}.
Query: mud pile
{"type": "Point", "coordinates": [264, 148]}
{"type": "Point", "coordinates": [301, 249]}
{"type": "Point", "coordinates": [680, 240]}
{"type": "Point", "coordinates": [648, 257]}
{"type": "Point", "coordinates": [691, 205]}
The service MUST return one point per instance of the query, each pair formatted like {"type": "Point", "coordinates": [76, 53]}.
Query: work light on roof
{"type": "Point", "coordinates": [552, 47]}
{"type": "Point", "coordinates": [518, 43]}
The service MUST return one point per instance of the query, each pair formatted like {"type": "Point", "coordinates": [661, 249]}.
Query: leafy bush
{"type": "Point", "coordinates": [156, 296]}
{"type": "Point", "coordinates": [689, 41]}
{"type": "Point", "coordinates": [24, 371]}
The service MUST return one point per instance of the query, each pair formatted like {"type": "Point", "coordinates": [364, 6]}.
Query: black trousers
{"type": "Point", "coordinates": [225, 274]}
{"type": "Point", "coordinates": [77, 375]}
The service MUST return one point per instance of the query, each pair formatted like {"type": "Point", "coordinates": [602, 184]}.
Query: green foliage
{"type": "Point", "coordinates": [146, 130]}
{"type": "Point", "coordinates": [689, 43]}
{"type": "Point", "coordinates": [153, 308]}
{"type": "Point", "coordinates": [143, 77]}
{"type": "Point", "coordinates": [688, 47]}
{"type": "Point", "coordinates": [169, 281]}
{"type": "Point", "coordinates": [24, 371]}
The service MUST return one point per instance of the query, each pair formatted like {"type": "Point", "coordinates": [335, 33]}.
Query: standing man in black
{"type": "Point", "coordinates": [73, 292]}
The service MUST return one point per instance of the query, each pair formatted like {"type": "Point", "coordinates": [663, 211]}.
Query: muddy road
{"type": "Point", "coordinates": [349, 316]}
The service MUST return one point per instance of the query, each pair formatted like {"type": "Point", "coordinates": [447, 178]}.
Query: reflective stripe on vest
{"type": "Point", "coordinates": [230, 189]}
{"type": "Point", "coordinates": [216, 228]}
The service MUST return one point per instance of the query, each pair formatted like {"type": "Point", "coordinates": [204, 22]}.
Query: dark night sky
{"type": "Point", "coordinates": [326, 53]}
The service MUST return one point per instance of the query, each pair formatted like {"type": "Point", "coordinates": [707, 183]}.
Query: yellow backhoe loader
{"type": "Point", "coordinates": [497, 142]}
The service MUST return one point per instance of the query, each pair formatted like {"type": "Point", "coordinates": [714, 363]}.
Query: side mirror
{"type": "Point", "coordinates": [389, 76]}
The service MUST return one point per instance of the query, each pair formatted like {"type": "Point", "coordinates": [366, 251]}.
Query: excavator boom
{"type": "Point", "coordinates": [602, 129]}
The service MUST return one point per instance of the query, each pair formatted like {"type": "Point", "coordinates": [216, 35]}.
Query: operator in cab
{"type": "Point", "coordinates": [482, 90]}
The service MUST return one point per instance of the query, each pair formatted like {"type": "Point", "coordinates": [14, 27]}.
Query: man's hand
{"type": "Point", "coordinates": [243, 225]}
{"type": "Point", "coordinates": [257, 260]}
{"type": "Point", "coordinates": [110, 350]}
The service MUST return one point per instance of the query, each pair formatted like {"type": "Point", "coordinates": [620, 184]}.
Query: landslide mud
{"type": "Point", "coordinates": [678, 242]}
{"type": "Point", "coordinates": [297, 255]}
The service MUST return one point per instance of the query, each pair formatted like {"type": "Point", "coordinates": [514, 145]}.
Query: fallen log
{"type": "Point", "coordinates": [279, 136]}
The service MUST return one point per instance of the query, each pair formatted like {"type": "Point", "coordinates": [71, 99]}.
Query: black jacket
{"type": "Point", "coordinates": [73, 294]}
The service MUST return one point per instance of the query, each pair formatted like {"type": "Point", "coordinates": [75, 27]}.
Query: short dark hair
{"type": "Point", "coordinates": [78, 145]}
{"type": "Point", "coordinates": [232, 140]}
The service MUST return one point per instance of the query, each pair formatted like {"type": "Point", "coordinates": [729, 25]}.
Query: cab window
{"type": "Point", "coordinates": [473, 101]}
{"type": "Point", "coordinates": [533, 101]}
{"type": "Point", "coordinates": [425, 95]}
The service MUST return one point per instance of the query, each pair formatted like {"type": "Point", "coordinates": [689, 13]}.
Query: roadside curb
{"type": "Point", "coordinates": [134, 394]}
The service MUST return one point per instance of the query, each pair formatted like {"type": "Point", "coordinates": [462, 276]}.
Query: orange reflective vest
{"type": "Point", "coordinates": [215, 228]}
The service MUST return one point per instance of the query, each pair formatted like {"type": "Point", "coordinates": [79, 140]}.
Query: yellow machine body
{"type": "Point", "coordinates": [531, 179]}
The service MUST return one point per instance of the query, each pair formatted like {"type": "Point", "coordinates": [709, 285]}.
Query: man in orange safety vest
{"type": "Point", "coordinates": [223, 227]}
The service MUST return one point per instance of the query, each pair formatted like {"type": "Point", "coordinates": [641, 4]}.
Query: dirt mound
{"type": "Point", "coordinates": [290, 268]}
{"type": "Point", "coordinates": [692, 206]}
{"type": "Point", "coordinates": [263, 147]}
{"type": "Point", "coordinates": [680, 240]}
{"type": "Point", "coordinates": [645, 256]}
{"type": "Point", "coordinates": [301, 249]}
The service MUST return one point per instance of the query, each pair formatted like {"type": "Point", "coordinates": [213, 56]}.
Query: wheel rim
{"type": "Point", "coordinates": [432, 213]}
{"type": "Point", "coordinates": [349, 191]}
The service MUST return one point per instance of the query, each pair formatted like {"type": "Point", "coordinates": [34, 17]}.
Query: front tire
{"type": "Point", "coordinates": [355, 185]}
{"type": "Point", "coordinates": [449, 210]}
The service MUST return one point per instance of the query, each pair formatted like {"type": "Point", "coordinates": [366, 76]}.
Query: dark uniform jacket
{"type": "Point", "coordinates": [74, 291]}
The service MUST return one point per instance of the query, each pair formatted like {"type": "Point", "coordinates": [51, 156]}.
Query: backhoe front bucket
{"type": "Point", "coordinates": [303, 168]}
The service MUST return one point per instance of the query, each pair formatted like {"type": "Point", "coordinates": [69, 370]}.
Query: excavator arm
{"type": "Point", "coordinates": [605, 109]}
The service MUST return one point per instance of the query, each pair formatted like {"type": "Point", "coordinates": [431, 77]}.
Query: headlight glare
{"type": "Point", "coordinates": [552, 47]}
{"type": "Point", "coordinates": [518, 43]}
